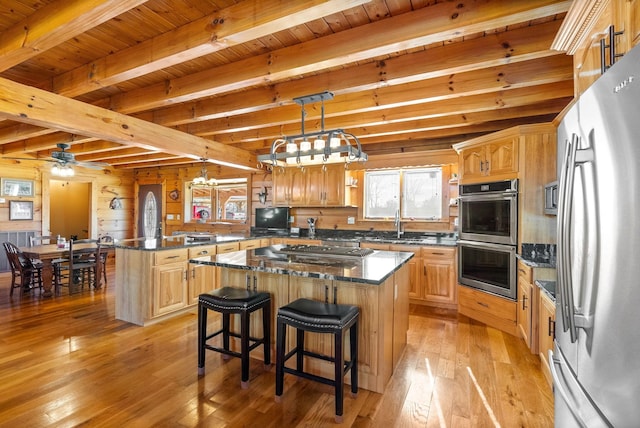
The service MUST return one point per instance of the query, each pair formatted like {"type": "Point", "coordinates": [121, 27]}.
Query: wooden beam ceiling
{"type": "Point", "coordinates": [187, 80]}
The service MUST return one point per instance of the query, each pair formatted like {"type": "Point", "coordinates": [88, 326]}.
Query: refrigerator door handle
{"type": "Point", "coordinates": [564, 216]}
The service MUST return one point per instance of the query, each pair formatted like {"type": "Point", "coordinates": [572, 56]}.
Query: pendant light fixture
{"type": "Point", "coordinates": [324, 146]}
{"type": "Point", "coordinates": [203, 179]}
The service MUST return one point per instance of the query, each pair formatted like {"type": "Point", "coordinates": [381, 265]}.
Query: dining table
{"type": "Point", "coordinates": [47, 253]}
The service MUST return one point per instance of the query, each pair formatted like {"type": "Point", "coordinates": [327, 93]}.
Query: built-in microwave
{"type": "Point", "coordinates": [551, 198]}
{"type": "Point", "coordinates": [489, 212]}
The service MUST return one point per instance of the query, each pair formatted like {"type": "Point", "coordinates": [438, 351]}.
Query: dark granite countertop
{"type": "Point", "coordinates": [193, 239]}
{"type": "Point", "coordinates": [547, 287]}
{"type": "Point", "coordinates": [372, 269]}
{"type": "Point", "coordinates": [177, 241]}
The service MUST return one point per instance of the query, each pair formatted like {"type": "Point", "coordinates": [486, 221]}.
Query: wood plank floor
{"type": "Point", "coordinates": [67, 362]}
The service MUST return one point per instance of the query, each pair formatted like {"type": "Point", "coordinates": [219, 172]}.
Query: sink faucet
{"type": "Point", "coordinates": [398, 224]}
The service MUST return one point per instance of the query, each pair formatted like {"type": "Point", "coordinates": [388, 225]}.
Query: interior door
{"type": "Point", "coordinates": [143, 205]}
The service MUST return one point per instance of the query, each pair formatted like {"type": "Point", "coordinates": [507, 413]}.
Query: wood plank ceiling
{"type": "Point", "coordinates": [154, 83]}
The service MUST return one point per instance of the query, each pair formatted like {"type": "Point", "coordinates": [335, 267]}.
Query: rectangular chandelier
{"type": "Point", "coordinates": [320, 147]}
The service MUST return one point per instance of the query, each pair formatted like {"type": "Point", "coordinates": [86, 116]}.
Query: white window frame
{"type": "Point", "coordinates": [398, 192]}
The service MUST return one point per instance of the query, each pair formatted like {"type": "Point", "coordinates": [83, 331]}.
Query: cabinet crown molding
{"type": "Point", "coordinates": [578, 24]}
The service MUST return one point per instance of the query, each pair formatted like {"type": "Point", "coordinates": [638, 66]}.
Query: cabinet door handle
{"type": "Point", "coordinates": [552, 328]}
{"type": "Point", "coordinates": [193, 273]}
{"type": "Point", "coordinates": [186, 275]}
{"type": "Point", "coordinates": [255, 283]}
{"type": "Point", "coordinates": [484, 304]}
{"type": "Point", "coordinates": [248, 282]}
{"type": "Point", "coordinates": [481, 166]}
{"type": "Point", "coordinates": [424, 269]}
{"type": "Point", "coordinates": [524, 302]}
{"type": "Point", "coordinates": [335, 294]}
{"type": "Point", "coordinates": [326, 293]}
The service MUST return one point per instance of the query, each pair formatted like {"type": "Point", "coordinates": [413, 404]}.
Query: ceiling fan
{"type": "Point", "coordinates": [64, 158]}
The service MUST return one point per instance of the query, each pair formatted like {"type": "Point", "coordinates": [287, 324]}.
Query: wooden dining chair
{"type": "Point", "coordinates": [81, 267]}
{"type": "Point", "coordinates": [24, 274]}
{"type": "Point", "coordinates": [104, 240]}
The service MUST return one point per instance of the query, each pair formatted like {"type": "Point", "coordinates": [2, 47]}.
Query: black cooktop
{"type": "Point", "coordinates": [325, 251]}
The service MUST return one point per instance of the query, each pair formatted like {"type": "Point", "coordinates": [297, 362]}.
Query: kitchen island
{"type": "Point", "coordinates": [376, 281]}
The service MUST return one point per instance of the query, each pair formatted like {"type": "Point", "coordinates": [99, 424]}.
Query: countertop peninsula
{"type": "Point", "coordinates": [372, 269]}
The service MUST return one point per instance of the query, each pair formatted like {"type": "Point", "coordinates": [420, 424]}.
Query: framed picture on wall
{"type": "Point", "coordinates": [20, 210]}
{"type": "Point", "coordinates": [15, 187]}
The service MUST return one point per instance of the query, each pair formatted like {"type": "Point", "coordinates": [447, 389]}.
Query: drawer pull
{"type": "Point", "coordinates": [203, 252]}
{"type": "Point", "coordinates": [484, 305]}
{"type": "Point", "coordinates": [172, 257]}
{"type": "Point", "coordinates": [438, 254]}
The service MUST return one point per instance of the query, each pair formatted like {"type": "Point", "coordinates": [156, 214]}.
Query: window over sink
{"type": "Point", "coordinates": [414, 193]}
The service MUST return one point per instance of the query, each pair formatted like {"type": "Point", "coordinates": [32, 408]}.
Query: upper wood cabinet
{"type": "Point", "coordinates": [317, 185]}
{"type": "Point", "coordinates": [526, 152]}
{"type": "Point", "coordinates": [494, 160]}
{"type": "Point", "coordinates": [587, 24]}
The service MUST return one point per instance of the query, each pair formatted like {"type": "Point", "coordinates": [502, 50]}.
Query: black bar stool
{"type": "Point", "coordinates": [227, 301]}
{"type": "Point", "coordinates": [310, 315]}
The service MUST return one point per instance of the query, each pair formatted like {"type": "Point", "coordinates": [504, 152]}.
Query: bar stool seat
{"type": "Point", "coordinates": [227, 301]}
{"type": "Point", "coordinates": [319, 317]}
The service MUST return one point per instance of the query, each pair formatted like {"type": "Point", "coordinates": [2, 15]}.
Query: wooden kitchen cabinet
{"type": "Point", "coordinates": [325, 185]}
{"type": "Point", "coordinates": [314, 185]}
{"type": "Point", "coordinates": [546, 331]}
{"type": "Point", "coordinates": [586, 24]}
{"type": "Point", "coordinates": [493, 160]}
{"type": "Point", "coordinates": [492, 310]}
{"type": "Point", "coordinates": [414, 272]}
{"type": "Point", "coordinates": [202, 278]}
{"type": "Point", "coordinates": [525, 305]}
{"type": "Point", "coordinates": [439, 277]}
{"type": "Point", "coordinates": [289, 186]}
{"type": "Point", "coordinates": [169, 286]}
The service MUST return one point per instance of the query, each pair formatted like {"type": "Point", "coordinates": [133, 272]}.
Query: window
{"type": "Point", "coordinates": [226, 201]}
{"type": "Point", "coordinates": [415, 193]}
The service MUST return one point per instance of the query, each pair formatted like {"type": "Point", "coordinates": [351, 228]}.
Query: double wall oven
{"type": "Point", "coordinates": [488, 237]}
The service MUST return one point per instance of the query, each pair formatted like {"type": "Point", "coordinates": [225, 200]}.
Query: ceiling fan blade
{"type": "Point", "coordinates": [91, 165]}
{"type": "Point", "coordinates": [30, 159]}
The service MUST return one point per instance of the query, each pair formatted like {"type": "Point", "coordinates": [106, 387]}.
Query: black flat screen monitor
{"type": "Point", "coordinates": [276, 218]}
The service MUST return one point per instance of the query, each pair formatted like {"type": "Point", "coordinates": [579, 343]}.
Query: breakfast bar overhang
{"type": "Point", "coordinates": [378, 283]}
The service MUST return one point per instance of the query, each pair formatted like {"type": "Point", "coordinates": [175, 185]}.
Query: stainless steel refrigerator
{"type": "Point", "coordinates": [596, 359]}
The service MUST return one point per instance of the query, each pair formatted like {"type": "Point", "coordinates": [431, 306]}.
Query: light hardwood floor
{"type": "Point", "coordinates": [66, 361]}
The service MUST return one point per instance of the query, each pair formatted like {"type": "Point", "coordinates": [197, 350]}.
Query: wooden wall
{"type": "Point", "coordinates": [106, 185]}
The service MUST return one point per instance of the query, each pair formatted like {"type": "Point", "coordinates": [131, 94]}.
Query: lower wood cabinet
{"type": "Point", "coordinates": [169, 288]}
{"type": "Point", "coordinates": [546, 332]}
{"type": "Point", "coordinates": [439, 276]}
{"type": "Point", "coordinates": [525, 305]}
{"type": "Point", "coordinates": [202, 278]}
{"type": "Point", "coordinates": [492, 310]}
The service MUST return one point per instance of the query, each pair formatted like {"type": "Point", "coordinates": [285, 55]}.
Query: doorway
{"type": "Point", "coordinates": [144, 209]}
{"type": "Point", "coordinates": [70, 209]}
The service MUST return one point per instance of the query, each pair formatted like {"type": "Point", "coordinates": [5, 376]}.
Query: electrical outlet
{"type": "Point", "coordinates": [169, 216]}
{"type": "Point", "coordinates": [351, 220]}
{"type": "Point", "coordinates": [292, 219]}
{"type": "Point", "coordinates": [178, 216]}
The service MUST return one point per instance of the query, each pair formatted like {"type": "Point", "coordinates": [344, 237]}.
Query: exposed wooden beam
{"type": "Point", "coordinates": [236, 24]}
{"type": "Point", "coordinates": [511, 76]}
{"type": "Point", "coordinates": [432, 24]}
{"type": "Point", "coordinates": [30, 105]}
{"type": "Point", "coordinates": [491, 101]}
{"type": "Point", "coordinates": [55, 23]}
{"type": "Point", "coordinates": [490, 51]}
